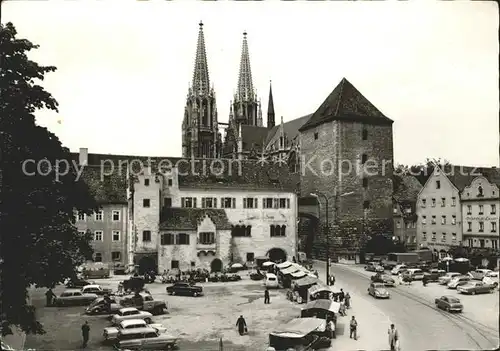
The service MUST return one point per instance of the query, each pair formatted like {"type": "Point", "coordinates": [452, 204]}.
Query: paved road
{"type": "Point", "coordinates": [420, 324]}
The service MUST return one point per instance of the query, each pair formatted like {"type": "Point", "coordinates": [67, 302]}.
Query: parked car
{"type": "Point", "coordinates": [480, 273]}
{"type": "Point", "coordinates": [145, 339]}
{"type": "Point", "coordinates": [378, 290]}
{"type": "Point", "coordinates": [144, 302]}
{"type": "Point", "coordinates": [475, 287]}
{"type": "Point", "coordinates": [414, 273]}
{"type": "Point", "coordinates": [257, 275]}
{"type": "Point", "coordinates": [119, 269]}
{"type": "Point", "coordinates": [77, 283]}
{"type": "Point", "coordinates": [433, 274]}
{"type": "Point", "coordinates": [386, 279]}
{"type": "Point", "coordinates": [98, 306]}
{"type": "Point", "coordinates": [491, 278]}
{"type": "Point", "coordinates": [457, 281]}
{"type": "Point", "coordinates": [131, 313]}
{"type": "Point", "coordinates": [111, 333]}
{"type": "Point", "coordinates": [449, 303]}
{"type": "Point", "coordinates": [445, 279]}
{"type": "Point", "coordinates": [398, 269]}
{"type": "Point", "coordinates": [186, 289]}
{"type": "Point", "coordinates": [74, 297]}
{"type": "Point", "coordinates": [374, 267]}
{"type": "Point", "coordinates": [230, 277]}
{"type": "Point", "coordinates": [271, 281]}
{"type": "Point", "coordinates": [96, 289]}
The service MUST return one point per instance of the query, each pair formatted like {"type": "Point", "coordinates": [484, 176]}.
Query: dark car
{"type": "Point", "coordinates": [433, 274]}
{"type": "Point", "coordinates": [185, 289]}
{"type": "Point", "coordinates": [98, 306]}
{"type": "Point", "coordinates": [134, 284]}
{"type": "Point", "coordinates": [449, 304]}
{"type": "Point", "coordinates": [77, 283]}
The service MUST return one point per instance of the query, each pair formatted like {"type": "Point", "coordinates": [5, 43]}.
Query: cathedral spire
{"type": "Point", "coordinates": [201, 81]}
{"type": "Point", "coordinates": [270, 108]}
{"type": "Point", "coordinates": [245, 85]}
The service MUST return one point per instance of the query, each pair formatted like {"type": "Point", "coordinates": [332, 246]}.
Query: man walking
{"type": "Point", "coordinates": [332, 280]}
{"type": "Point", "coordinates": [341, 295]}
{"type": "Point", "coordinates": [393, 337]}
{"type": "Point", "coordinates": [354, 328]}
{"type": "Point", "coordinates": [242, 325]}
{"type": "Point", "coordinates": [49, 297]}
{"type": "Point", "coordinates": [267, 299]}
{"type": "Point", "coordinates": [85, 333]}
{"type": "Point", "coordinates": [330, 326]}
{"type": "Point", "coordinates": [347, 299]}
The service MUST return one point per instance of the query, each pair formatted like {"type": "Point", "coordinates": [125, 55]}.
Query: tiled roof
{"type": "Point", "coordinates": [105, 189]}
{"type": "Point", "coordinates": [253, 137]}
{"type": "Point", "coordinates": [462, 176]}
{"type": "Point", "coordinates": [408, 189]}
{"type": "Point", "coordinates": [346, 103]}
{"type": "Point", "coordinates": [291, 128]}
{"type": "Point", "coordinates": [189, 218]}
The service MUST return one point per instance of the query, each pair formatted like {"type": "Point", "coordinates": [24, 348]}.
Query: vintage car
{"type": "Point", "coordinates": [491, 278]}
{"type": "Point", "coordinates": [386, 279]}
{"type": "Point", "coordinates": [186, 289]}
{"type": "Point", "coordinates": [433, 274]}
{"type": "Point", "coordinates": [398, 269]}
{"type": "Point", "coordinates": [119, 269]}
{"type": "Point", "coordinates": [147, 338]}
{"type": "Point", "coordinates": [374, 267]}
{"type": "Point", "coordinates": [475, 287]}
{"type": "Point", "coordinates": [74, 297]}
{"type": "Point", "coordinates": [134, 284]}
{"type": "Point", "coordinates": [258, 275]}
{"type": "Point", "coordinates": [378, 291]}
{"type": "Point", "coordinates": [144, 302]}
{"type": "Point", "coordinates": [130, 313]}
{"type": "Point", "coordinates": [77, 283]}
{"type": "Point", "coordinates": [96, 289]}
{"type": "Point", "coordinates": [98, 306]}
{"type": "Point", "coordinates": [414, 274]}
{"type": "Point", "coordinates": [479, 273]}
{"type": "Point", "coordinates": [300, 334]}
{"type": "Point", "coordinates": [449, 303]}
{"type": "Point", "coordinates": [111, 333]}
{"type": "Point", "coordinates": [445, 279]}
{"type": "Point", "coordinates": [459, 280]}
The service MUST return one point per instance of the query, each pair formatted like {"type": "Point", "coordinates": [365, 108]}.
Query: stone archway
{"type": "Point", "coordinates": [216, 265]}
{"type": "Point", "coordinates": [276, 254]}
{"type": "Point", "coordinates": [147, 264]}
{"type": "Point", "coordinates": [308, 227]}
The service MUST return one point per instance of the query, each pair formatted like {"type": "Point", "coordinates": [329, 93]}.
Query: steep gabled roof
{"type": "Point", "coordinates": [189, 218]}
{"type": "Point", "coordinates": [461, 176]}
{"type": "Point", "coordinates": [346, 103]}
{"type": "Point", "coordinates": [408, 189]}
{"type": "Point", "coordinates": [106, 189]}
{"type": "Point", "coordinates": [291, 128]}
{"type": "Point", "coordinates": [253, 136]}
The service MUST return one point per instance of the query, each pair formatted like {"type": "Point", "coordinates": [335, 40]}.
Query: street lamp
{"type": "Point", "coordinates": [335, 196]}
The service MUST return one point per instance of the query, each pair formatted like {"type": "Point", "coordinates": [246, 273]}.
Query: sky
{"type": "Point", "coordinates": [124, 68]}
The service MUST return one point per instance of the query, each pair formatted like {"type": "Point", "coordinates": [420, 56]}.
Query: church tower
{"type": "Point", "coordinates": [200, 130]}
{"type": "Point", "coordinates": [270, 109]}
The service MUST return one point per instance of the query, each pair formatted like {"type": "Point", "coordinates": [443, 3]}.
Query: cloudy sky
{"type": "Point", "coordinates": [124, 67]}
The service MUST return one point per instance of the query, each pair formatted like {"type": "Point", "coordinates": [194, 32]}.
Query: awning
{"type": "Point", "coordinates": [299, 327]}
{"type": "Point", "coordinates": [307, 280]}
{"type": "Point", "coordinates": [318, 288]}
{"type": "Point", "coordinates": [323, 304]}
{"type": "Point", "coordinates": [289, 270]}
{"type": "Point", "coordinates": [285, 264]}
{"type": "Point", "coordinates": [298, 275]}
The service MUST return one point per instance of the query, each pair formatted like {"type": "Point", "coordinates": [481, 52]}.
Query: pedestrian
{"type": "Point", "coordinates": [347, 300]}
{"type": "Point", "coordinates": [242, 325]}
{"type": "Point", "coordinates": [330, 328]}
{"type": "Point", "coordinates": [332, 280]}
{"type": "Point", "coordinates": [267, 299]}
{"type": "Point", "coordinates": [393, 337]}
{"type": "Point", "coordinates": [49, 297]}
{"type": "Point", "coordinates": [85, 333]}
{"type": "Point", "coordinates": [354, 328]}
{"type": "Point", "coordinates": [341, 295]}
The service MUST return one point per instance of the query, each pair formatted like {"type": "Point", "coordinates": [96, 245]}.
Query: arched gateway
{"type": "Point", "coordinates": [277, 255]}
{"type": "Point", "coordinates": [308, 227]}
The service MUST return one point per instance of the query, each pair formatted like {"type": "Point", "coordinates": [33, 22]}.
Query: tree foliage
{"type": "Point", "coordinates": [420, 171]}
{"type": "Point", "coordinates": [382, 245]}
{"type": "Point", "coordinates": [40, 244]}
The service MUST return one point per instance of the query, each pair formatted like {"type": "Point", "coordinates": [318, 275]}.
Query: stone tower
{"type": "Point", "coordinates": [200, 130]}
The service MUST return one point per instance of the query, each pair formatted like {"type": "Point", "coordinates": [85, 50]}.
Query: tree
{"type": "Point", "coordinates": [380, 245]}
{"type": "Point", "coordinates": [40, 244]}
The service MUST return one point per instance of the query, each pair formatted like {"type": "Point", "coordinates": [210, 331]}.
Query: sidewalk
{"type": "Point", "coordinates": [372, 322]}
{"type": "Point", "coordinates": [16, 340]}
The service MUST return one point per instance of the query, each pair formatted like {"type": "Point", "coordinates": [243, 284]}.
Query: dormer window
{"type": "Point", "coordinates": [480, 191]}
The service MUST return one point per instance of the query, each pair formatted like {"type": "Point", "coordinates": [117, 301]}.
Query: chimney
{"type": "Point", "coordinates": [83, 159]}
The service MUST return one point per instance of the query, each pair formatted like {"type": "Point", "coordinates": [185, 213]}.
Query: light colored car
{"type": "Point", "coordinates": [73, 297]}
{"type": "Point", "coordinates": [414, 273]}
{"type": "Point", "coordinates": [399, 269]}
{"type": "Point", "coordinates": [491, 278]}
{"type": "Point", "coordinates": [131, 313]}
{"type": "Point", "coordinates": [374, 267]}
{"type": "Point", "coordinates": [145, 339]}
{"type": "Point", "coordinates": [458, 281]}
{"type": "Point", "coordinates": [479, 273]}
{"type": "Point", "coordinates": [445, 279]}
{"type": "Point", "coordinates": [475, 287]}
{"type": "Point", "coordinates": [95, 289]}
{"type": "Point", "coordinates": [271, 281]}
{"type": "Point", "coordinates": [111, 333]}
{"type": "Point", "coordinates": [378, 290]}
{"type": "Point", "coordinates": [449, 304]}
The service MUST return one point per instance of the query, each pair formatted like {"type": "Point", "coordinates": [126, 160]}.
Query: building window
{"type": "Point", "coordinates": [366, 205]}
{"type": "Point", "coordinates": [241, 230]}
{"type": "Point", "coordinates": [284, 203]}
{"type": "Point", "coordinates": [365, 183]}
{"type": "Point", "coordinates": [267, 202]}
{"type": "Point", "coordinates": [364, 134]}
{"type": "Point", "coordinates": [116, 256]}
{"type": "Point", "coordinates": [81, 232]}
{"type": "Point", "coordinates": [493, 209]}
{"type": "Point", "coordinates": [424, 236]}
{"type": "Point", "coordinates": [424, 219]}
{"type": "Point", "coordinates": [433, 220]}
{"type": "Point", "coordinates": [481, 209]}
{"type": "Point", "coordinates": [414, 225]}
{"type": "Point", "coordinates": [98, 235]}
{"type": "Point", "coordinates": [469, 209]}
{"type": "Point", "coordinates": [494, 244]}
{"type": "Point", "coordinates": [443, 237]}
{"type": "Point", "coordinates": [433, 238]}
{"type": "Point", "coordinates": [469, 226]}
{"type": "Point", "coordinates": [480, 191]}
{"type": "Point", "coordinates": [316, 136]}
{"type": "Point", "coordinates": [188, 202]}
{"type": "Point", "coordinates": [116, 216]}
{"type": "Point", "coordinates": [481, 227]}
{"type": "Point", "coordinates": [98, 215]}
{"type": "Point", "coordinates": [146, 235]}
{"type": "Point", "coordinates": [167, 202]}
{"type": "Point", "coordinates": [116, 235]}
{"type": "Point", "coordinates": [454, 236]}
{"type": "Point", "coordinates": [438, 184]}
{"type": "Point", "coordinates": [250, 256]}
{"type": "Point", "coordinates": [182, 239]}
{"type": "Point", "coordinates": [97, 257]}
{"type": "Point", "coordinates": [493, 227]}
{"type": "Point", "coordinates": [250, 202]}
{"type": "Point", "coordinates": [453, 219]}
{"type": "Point", "coordinates": [424, 202]}
{"type": "Point", "coordinates": [453, 201]}
{"type": "Point", "coordinates": [168, 239]}
{"type": "Point", "coordinates": [398, 224]}
{"type": "Point", "coordinates": [146, 182]}
{"type": "Point", "coordinates": [364, 158]}
{"type": "Point", "coordinates": [206, 238]}
{"type": "Point", "coordinates": [443, 202]}
{"type": "Point", "coordinates": [443, 219]}
{"type": "Point", "coordinates": [228, 202]}
{"type": "Point", "coordinates": [81, 216]}
{"type": "Point", "coordinates": [174, 264]}
{"type": "Point", "coordinates": [208, 202]}
{"type": "Point", "coordinates": [169, 181]}
{"type": "Point", "coordinates": [433, 202]}
{"type": "Point", "coordinates": [481, 243]}
{"type": "Point", "coordinates": [470, 242]}
{"type": "Point", "coordinates": [277, 230]}
{"type": "Point", "coordinates": [146, 202]}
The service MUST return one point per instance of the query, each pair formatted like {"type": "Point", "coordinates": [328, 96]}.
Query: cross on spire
{"type": "Point", "coordinates": [201, 81]}
{"type": "Point", "coordinates": [245, 85]}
